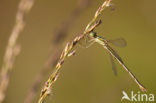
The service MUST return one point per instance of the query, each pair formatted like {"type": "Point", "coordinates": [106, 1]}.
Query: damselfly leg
{"type": "Point", "coordinates": [86, 42]}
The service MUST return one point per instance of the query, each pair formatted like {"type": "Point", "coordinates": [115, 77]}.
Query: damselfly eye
{"type": "Point", "coordinates": [93, 34]}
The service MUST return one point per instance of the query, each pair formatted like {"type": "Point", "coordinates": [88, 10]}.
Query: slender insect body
{"type": "Point", "coordinates": [113, 53]}
{"type": "Point", "coordinates": [99, 41]}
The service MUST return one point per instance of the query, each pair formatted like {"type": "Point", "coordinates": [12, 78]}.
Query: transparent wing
{"type": "Point", "coordinates": [113, 65]}
{"type": "Point", "coordinates": [120, 42]}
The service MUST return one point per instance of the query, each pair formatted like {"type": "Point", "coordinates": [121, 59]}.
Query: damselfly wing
{"type": "Point", "coordinates": [120, 42]}
{"type": "Point", "coordinates": [113, 64]}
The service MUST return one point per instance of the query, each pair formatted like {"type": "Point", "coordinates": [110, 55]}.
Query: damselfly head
{"type": "Point", "coordinates": [93, 34]}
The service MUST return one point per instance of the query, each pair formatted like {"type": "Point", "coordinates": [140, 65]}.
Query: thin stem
{"type": "Point", "coordinates": [59, 35]}
{"type": "Point", "coordinates": [98, 12]}
{"type": "Point", "coordinates": [13, 48]}
{"type": "Point", "coordinates": [68, 49]}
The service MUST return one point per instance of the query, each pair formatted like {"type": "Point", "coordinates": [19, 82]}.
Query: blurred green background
{"type": "Point", "coordinates": [87, 77]}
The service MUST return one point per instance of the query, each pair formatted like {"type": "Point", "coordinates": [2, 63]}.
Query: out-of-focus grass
{"type": "Point", "coordinates": [133, 20]}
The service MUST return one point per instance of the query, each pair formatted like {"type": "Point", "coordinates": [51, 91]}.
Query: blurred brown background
{"type": "Point", "coordinates": [87, 77]}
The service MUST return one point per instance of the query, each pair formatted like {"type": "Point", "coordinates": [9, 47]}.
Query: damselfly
{"type": "Point", "coordinates": [113, 54]}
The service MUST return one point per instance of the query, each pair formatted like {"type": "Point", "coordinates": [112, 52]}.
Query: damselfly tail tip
{"type": "Point", "coordinates": [143, 89]}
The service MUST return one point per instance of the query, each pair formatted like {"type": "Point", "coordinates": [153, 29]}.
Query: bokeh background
{"type": "Point", "coordinates": [87, 77]}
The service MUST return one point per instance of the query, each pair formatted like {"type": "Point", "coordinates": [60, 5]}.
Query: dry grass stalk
{"type": "Point", "coordinates": [68, 51]}
{"type": "Point", "coordinates": [13, 49]}
{"type": "Point", "coordinates": [58, 38]}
